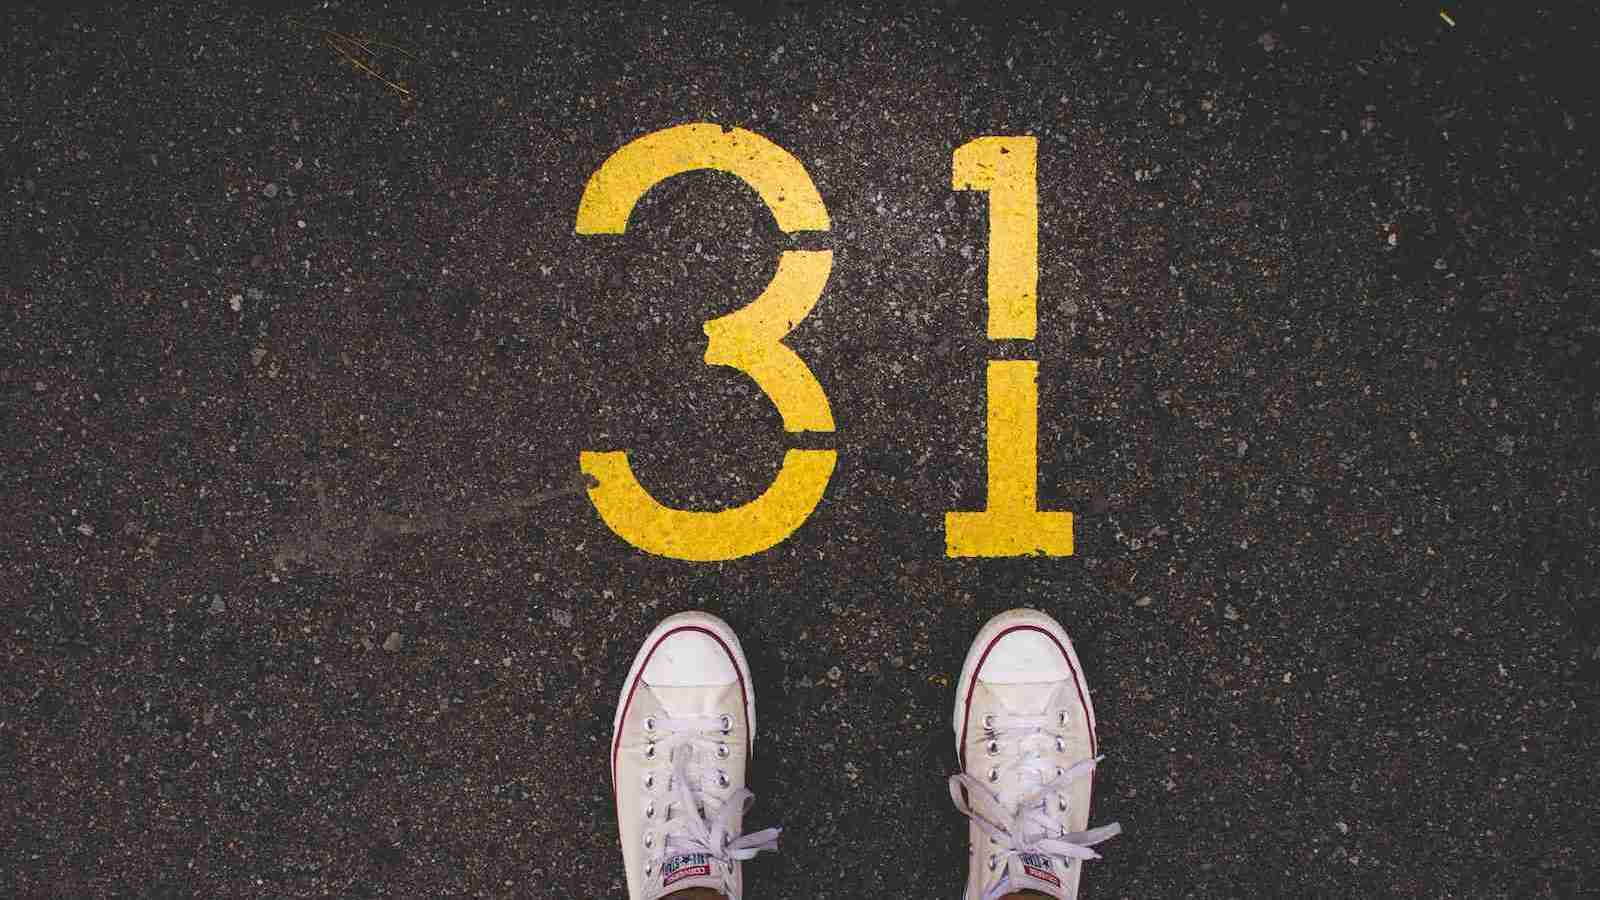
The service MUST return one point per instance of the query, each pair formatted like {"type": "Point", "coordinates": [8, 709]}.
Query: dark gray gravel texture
{"type": "Point", "coordinates": [301, 599]}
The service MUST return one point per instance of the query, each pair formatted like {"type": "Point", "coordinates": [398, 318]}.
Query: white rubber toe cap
{"type": "Point", "coordinates": [690, 659]}
{"type": "Point", "coordinates": [1025, 657]}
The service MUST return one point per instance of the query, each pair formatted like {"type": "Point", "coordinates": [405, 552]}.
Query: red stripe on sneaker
{"type": "Point", "coordinates": [744, 698]}
{"type": "Point", "coordinates": [1077, 682]}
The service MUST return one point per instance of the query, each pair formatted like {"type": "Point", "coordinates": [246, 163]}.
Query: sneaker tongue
{"type": "Point", "coordinates": [682, 871]}
{"type": "Point", "coordinates": [1036, 872]}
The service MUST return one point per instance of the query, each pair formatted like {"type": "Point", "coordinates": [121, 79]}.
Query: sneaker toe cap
{"type": "Point", "coordinates": [689, 659]}
{"type": "Point", "coordinates": [1025, 656]}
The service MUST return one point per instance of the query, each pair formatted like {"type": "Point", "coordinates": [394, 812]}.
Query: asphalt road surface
{"type": "Point", "coordinates": [307, 592]}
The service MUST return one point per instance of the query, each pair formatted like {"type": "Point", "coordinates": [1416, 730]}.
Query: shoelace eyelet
{"type": "Point", "coordinates": [988, 722]}
{"type": "Point", "coordinates": [1061, 804]}
{"type": "Point", "coordinates": [650, 811]}
{"type": "Point", "coordinates": [994, 747]}
{"type": "Point", "coordinates": [650, 750]}
{"type": "Point", "coordinates": [649, 781]}
{"type": "Point", "coordinates": [993, 859]}
{"type": "Point", "coordinates": [722, 778]}
{"type": "Point", "coordinates": [994, 775]}
{"type": "Point", "coordinates": [722, 751]}
{"type": "Point", "coordinates": [649, 723]}
{"type": "Point", "coordinates": [1062, 717]}
{"type": "Point", "coordinates": [649, 866]}
{"type": "Point", "coordinates": [1061, 745]}
{"type": "Point", "coordinates": [649, 840]}
{"type": "Point", "coordinates": [727, 723]}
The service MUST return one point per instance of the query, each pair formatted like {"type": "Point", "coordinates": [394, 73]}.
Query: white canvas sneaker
{"type": "Point", "coordinates": [1025, 738]}
{"type": "Point", "coordinates": [683, 731]}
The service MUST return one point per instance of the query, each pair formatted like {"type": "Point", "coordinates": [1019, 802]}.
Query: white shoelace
{"type": "Point", "coordinates": [1035, 825]}
{"type": "Point", "coordinates": [688, 738]}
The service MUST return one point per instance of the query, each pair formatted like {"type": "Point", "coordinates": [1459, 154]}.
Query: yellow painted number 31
{"type": "Point", "coordinates": [751, 340]}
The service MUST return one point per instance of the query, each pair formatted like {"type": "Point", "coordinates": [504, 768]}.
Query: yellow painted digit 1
{"type": "Point", "coordinates": [1011, 524]}
{"type": "Point", "coordinates": [748, 339]}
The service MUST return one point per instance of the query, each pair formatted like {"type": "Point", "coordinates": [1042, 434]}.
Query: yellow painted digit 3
{"type": "Point", "coordinates": [1011, 524]}
{"type": "Point", "coordinates": [748, 339]}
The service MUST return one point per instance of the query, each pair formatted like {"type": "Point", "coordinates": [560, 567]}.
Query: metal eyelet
{"type": "Point", "coordinates": [650, 811]}
{"type": "Point", "coordinates": [722, 751]}
{"type": "Point", "coordinates": [727, 723]}
{"type": "Point", "coordinates": [988, 722]}
{"type": "Point", "coordinates": [650, 750]}
{"type": "Point", "coordinates": [992, 861]}
{"type": "Point", "coordinates": [722, 778]}
{"type": "Point", "coordinates": [649, 866]}
{"type": "Point", "coordinates": [994, 775]}
{"type": "Point", "coordinates": [649, 723]}
{"type": "Point", "coordinates": [1059, 772]}
{"type": "Point", "coordinates": [1062, 717]}
{"type": "Point", "coordinates": [994, 747]}
{"type": "Point", "coordinates": [1061, 804]}
{"type": "Point", "coordinates": [649, 840]}
{"type": "Point", "coordinates": [1061, 745]}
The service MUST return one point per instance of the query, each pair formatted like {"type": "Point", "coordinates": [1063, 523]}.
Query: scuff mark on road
{"type": "Point", "coordinates": [340, 544]}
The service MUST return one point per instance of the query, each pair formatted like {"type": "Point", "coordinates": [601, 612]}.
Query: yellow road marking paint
{"type": "Point", "coordinates": [1007, 168]}
{"type": "Point", "coordinates": [1011, 523]}
{"type": "Point", "coordinates": [699, 536]}
{"type": "Point", "coordinates": [748, 339]}
{"type": "Point", "coordinates": [773, 172]}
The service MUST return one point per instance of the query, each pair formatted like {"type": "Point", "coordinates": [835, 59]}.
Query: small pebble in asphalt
{"type": "Point", "coordinates": [393, 642]}
{"type": "Point", "coordinates": [271, 190]}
